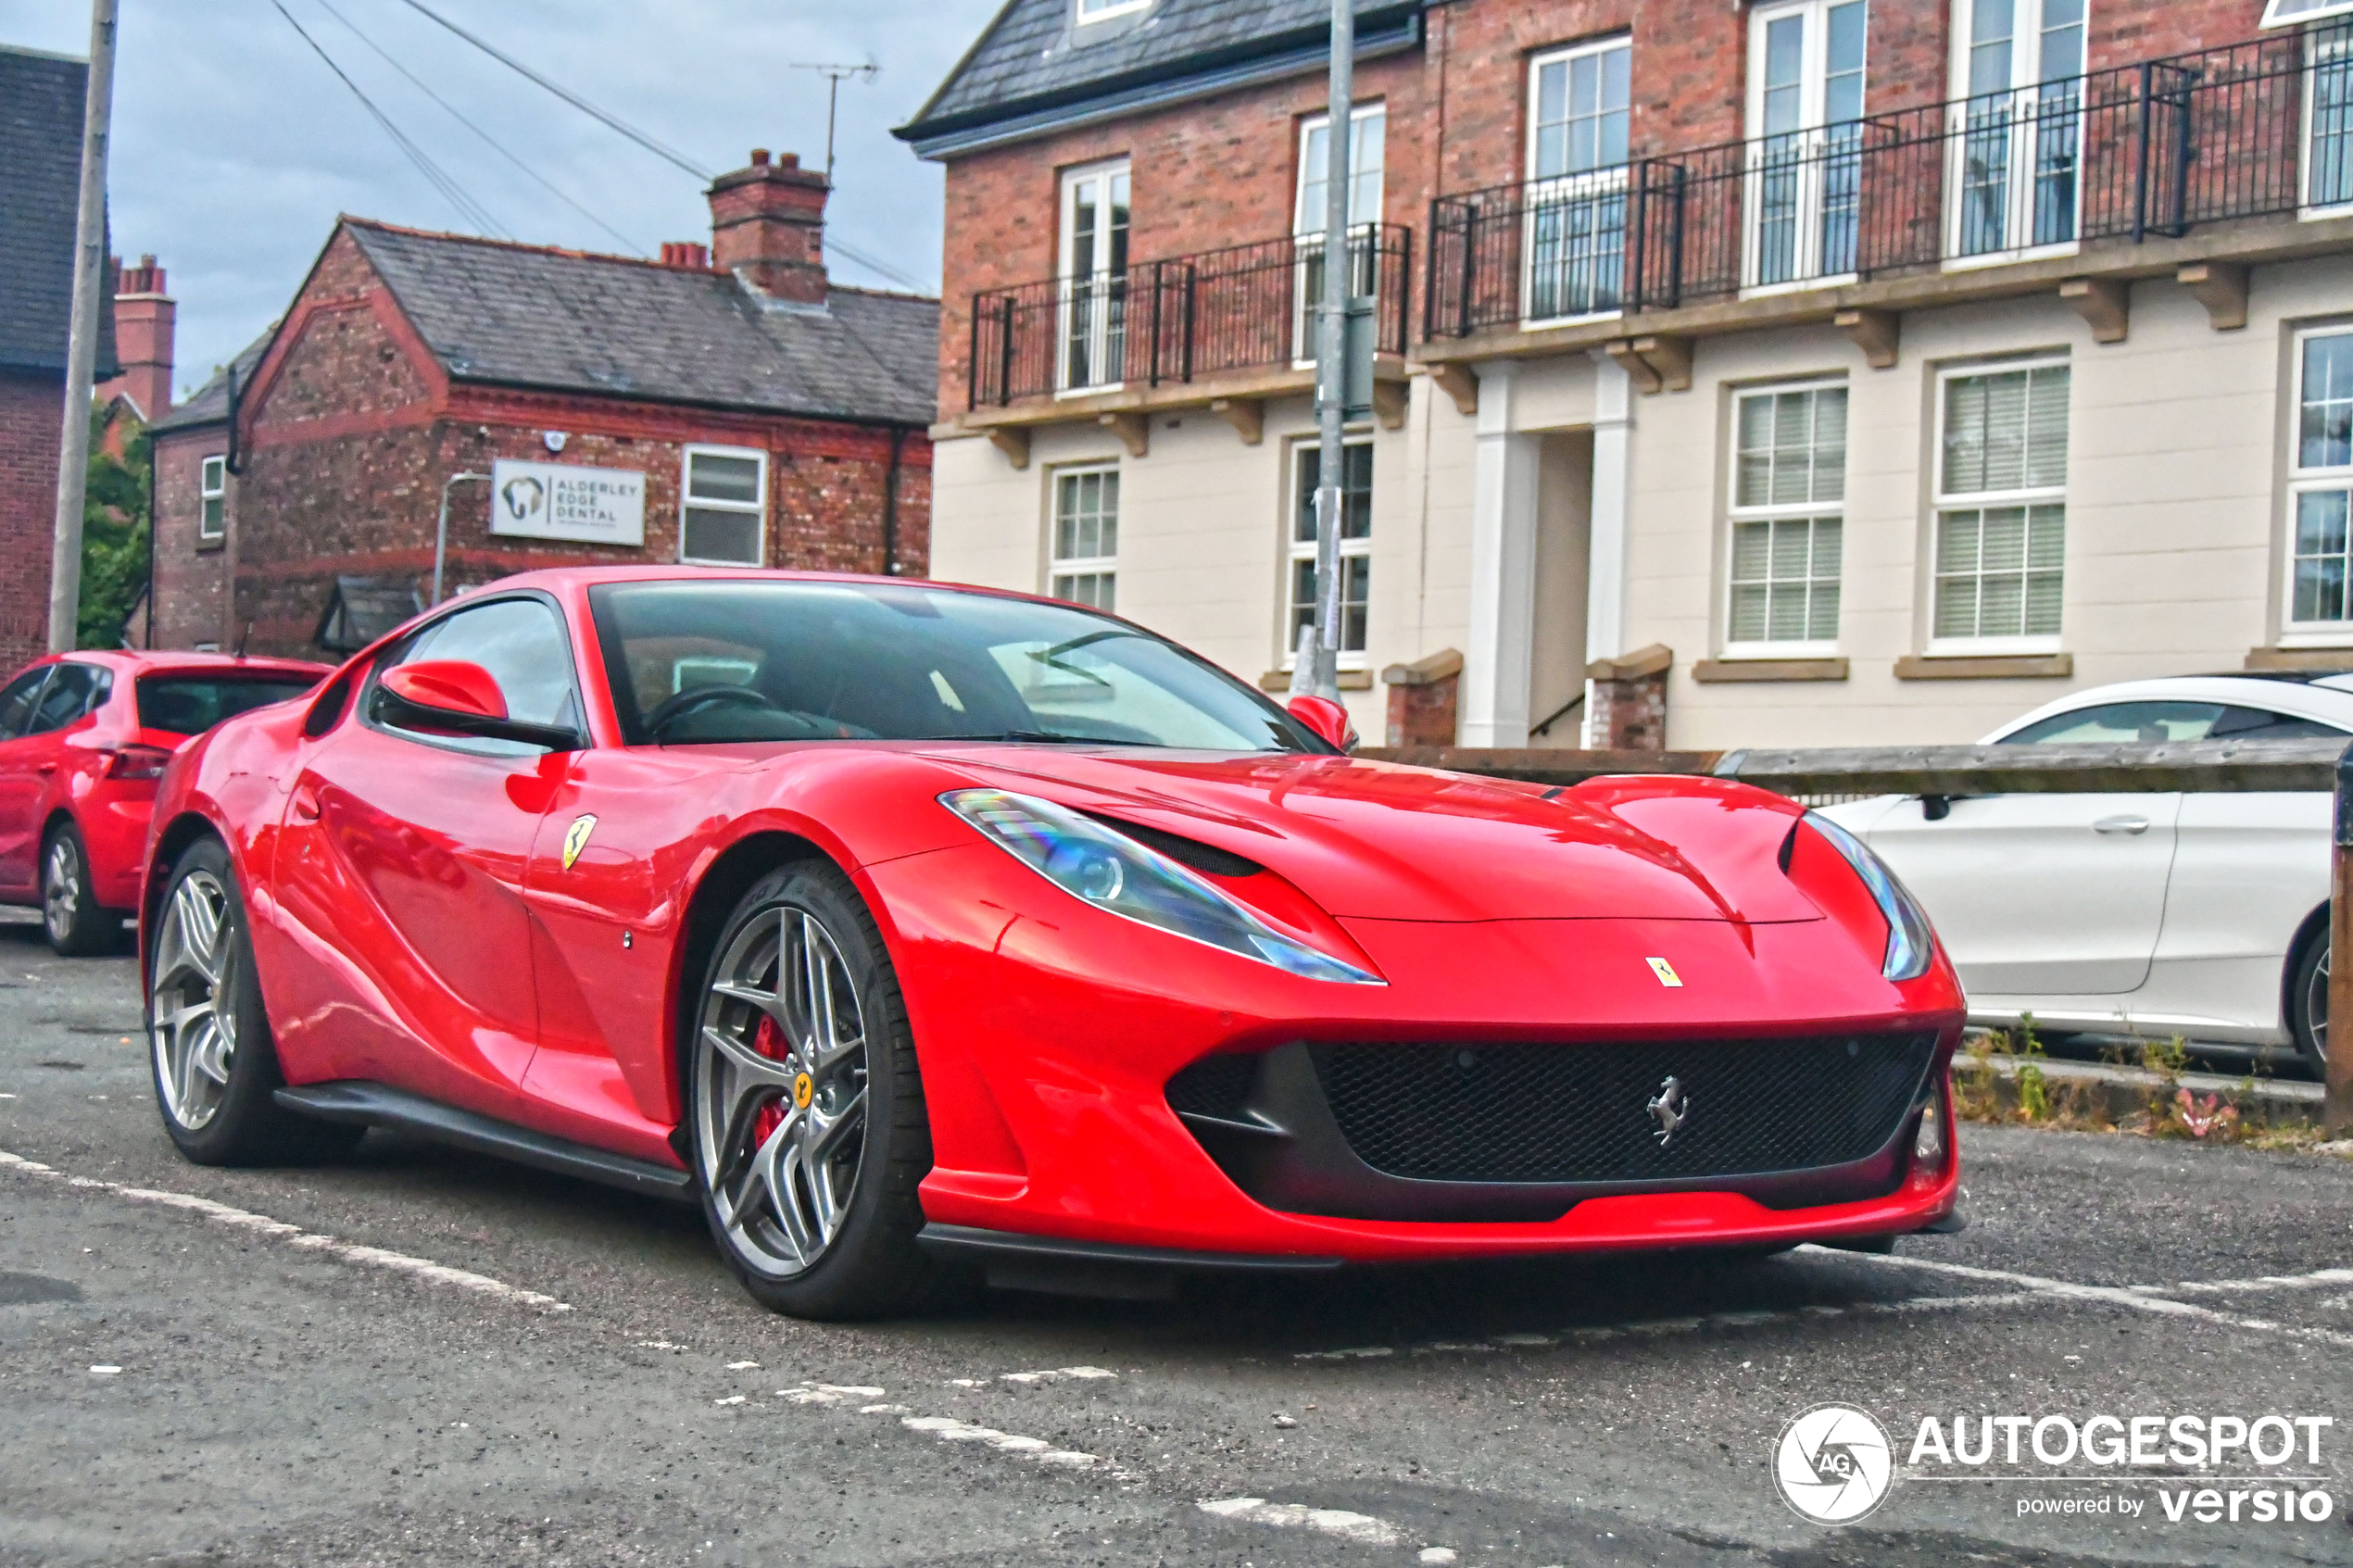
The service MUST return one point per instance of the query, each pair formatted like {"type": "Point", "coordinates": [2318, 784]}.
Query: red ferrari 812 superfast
{"type": "Point", "coordinates": [910, 929]}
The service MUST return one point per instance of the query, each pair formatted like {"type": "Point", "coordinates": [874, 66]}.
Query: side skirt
{"type": "Point", "coordinates": [366, 1104]}
{"type": "Point", "coordinates": [1108, 1269]}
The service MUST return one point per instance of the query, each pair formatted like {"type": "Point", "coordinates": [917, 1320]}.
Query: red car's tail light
{"type": "Point", "coordinates": [138, 762]}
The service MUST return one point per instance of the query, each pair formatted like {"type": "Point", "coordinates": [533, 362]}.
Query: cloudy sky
{"type": "Point", "coordinates": [235, 147]}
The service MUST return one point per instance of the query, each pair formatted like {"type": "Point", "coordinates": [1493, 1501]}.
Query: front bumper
{"type": "Point", "coordinates": [1046, 1035]}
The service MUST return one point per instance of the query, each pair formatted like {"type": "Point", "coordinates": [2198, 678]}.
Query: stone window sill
{"type": "Point", "coordinates": [1350, 681]}
{"type": "Point", "coordinates": [1722, 672]}
{"type": "Point", "coordinates": [1985, 667]}
{"type": "Point", "coordinates": [2305, 658]}
{"type": "Point", "coordinates": [211, 546]}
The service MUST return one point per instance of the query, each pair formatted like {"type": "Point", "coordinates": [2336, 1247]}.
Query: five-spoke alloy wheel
{"type": "Point", "coordinates": [805, 1109]}
{"type": "Point", "coordinates": [70, 915]}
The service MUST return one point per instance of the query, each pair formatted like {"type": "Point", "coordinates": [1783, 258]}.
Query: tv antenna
{"type": "Point", "coordinates": [834, 74]}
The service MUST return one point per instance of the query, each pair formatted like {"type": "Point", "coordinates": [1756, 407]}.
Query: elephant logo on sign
{"type": "Point", "coordinates": [523, 498]}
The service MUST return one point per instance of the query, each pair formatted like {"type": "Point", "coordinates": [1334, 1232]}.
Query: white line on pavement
{"type": "Point", "coordinates": [1055, 1375]}
{"type": "Point", "coordinates": [2316, 1279]}
{"type": "Point", "coordinates": [295, 1236]}
{"type": "Point", "coordinates": [947, 1429]}
{"type": "Point", "coordinates": [1362, 1528]}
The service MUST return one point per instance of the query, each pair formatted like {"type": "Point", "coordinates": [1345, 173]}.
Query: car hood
{"type": "Point", "coordinates": [1375, 841]}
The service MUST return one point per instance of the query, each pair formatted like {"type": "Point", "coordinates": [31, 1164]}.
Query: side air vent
{"type": "Point", "coordinates": [1216, 1085]}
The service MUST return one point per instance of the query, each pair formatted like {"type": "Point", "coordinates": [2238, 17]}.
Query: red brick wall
{"type": "Point", "coordinates": [189, 576]}
{"type": "Point", "coordinates": [349, 439]}
{"type": "Point", "coordinates": [30, 407]}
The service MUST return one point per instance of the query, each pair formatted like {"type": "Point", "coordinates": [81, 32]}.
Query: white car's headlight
{"type": "Point", "coordinates": [1123, 877]}
{"type": "Point", "coordinates": [1910, 945]}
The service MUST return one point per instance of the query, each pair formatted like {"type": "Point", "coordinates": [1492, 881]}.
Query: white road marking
{"type": "Point", "coordinates": [103, 1371]}
{"type": "Point", "coordinates": [2134, 1296]}
{"type": "Point", "coordinates": [947, 1429]}
{"type": "Point", "coordinates": [1436, 1555]}
{"type": "Point", "coordinates": [730, 1400]}
{"type": "Point", "coordinates": [1362, 1528]}
{"type": "Point", "coordinates": [2315, 1280]}
{"type": "Point", "coordinates": [295, 1236]}
{"type": "Point", "coordinates": [743, 1366]}
{"type": "Point", "coordinates": [829, 1392]}
{"type": "Point", "coordinates": [1055, 1375]}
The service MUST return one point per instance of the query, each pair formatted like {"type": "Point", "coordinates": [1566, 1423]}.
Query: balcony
{"type": "Point", "coordinates": [2075, 184]}
{"type": "Point", "coordinates": [1225, 328]}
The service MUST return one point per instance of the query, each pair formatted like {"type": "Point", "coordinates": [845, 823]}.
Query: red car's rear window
{"type": "Point", "coordinates": [189, 705]}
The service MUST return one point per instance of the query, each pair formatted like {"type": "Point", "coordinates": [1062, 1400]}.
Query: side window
{"type": "Point", "coordinates": [522, 643]}
{"type": "Point", "coordinates": [17, 699]}
{"type": "Point", "coordinates": [2255, 724]}
{"type": "Point", "coordinates": [71, 693]}
{"type": "Point", "coordinates": [2124, 724]}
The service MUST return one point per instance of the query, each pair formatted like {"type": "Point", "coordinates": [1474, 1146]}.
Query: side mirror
{"type": "Point", "coordinates": [451, 697]}
{"type": "Point", "coordinates": [1326, 717]}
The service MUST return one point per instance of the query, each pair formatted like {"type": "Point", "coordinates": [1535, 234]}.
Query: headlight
{"type": "Point", "coordinates": [1116, 874]}
{"type": "Point", "coordinates": [1909, 942]}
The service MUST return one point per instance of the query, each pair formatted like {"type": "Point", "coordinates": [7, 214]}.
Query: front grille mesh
{"type": "Point", "coordinates": [1216, 1085]}
{"type": "Point", "coordinates": [1579, 1113]}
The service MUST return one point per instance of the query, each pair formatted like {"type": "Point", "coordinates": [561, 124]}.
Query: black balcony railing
{"type": "Point", "coordinates": [1155, 322]}
{"type": "Point", "coordinates": [2251, 130]}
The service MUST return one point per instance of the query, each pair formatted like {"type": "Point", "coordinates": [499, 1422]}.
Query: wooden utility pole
{"type": "Point", "coordinates": [81, 343]}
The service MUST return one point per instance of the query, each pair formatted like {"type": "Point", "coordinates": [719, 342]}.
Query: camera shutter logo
{"type": "Point", "coordinates": [1833, 1465]}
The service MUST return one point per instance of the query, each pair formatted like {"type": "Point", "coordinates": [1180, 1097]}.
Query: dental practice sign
{"type": "Point", "coordinates": [566, 501]}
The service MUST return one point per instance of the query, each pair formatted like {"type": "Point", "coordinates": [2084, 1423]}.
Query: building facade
{"type": "Point", "coordinates": [724, 405]}
{"type": "Point", "coordinates": [41, 100]}
{"type": "Point", "coordinates": [1802, 371]}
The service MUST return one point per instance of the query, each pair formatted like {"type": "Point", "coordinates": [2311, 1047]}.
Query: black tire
{"type": "Point", "coordinates": [218, 1110]}
{"type": "Point", "coordinates": [2308, 999]}
{"type": "Point", "coordinates": [867, 1264]}
{"type": "Point", "coordinates": [70, 916]}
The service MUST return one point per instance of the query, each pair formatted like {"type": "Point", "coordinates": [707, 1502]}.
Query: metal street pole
{"type": "Point", "coordinates": [441, 528]}
{"type": "Point", "coordinates": [1320, 674]}
{"type": "Point", "coordinates": [82, 339]}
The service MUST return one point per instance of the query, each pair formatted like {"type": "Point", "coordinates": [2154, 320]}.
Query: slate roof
{"type": "Point", "coordinates": [360, 610]}
{"type": "Point", "coordinates": [1034, 57]}
{"type": "Point", "coordinates": [522, 316]}
{"type": "Point", "coordinates": [209, 403]}
{"type": "Point", "coordinates": [40, 189]}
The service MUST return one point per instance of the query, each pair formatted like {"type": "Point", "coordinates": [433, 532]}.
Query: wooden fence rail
{"type": "Point", "coordinates": [1962, 770]}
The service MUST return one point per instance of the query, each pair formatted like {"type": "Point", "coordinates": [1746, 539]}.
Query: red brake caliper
{"type": "Point", "coordinates": [769, 1041]}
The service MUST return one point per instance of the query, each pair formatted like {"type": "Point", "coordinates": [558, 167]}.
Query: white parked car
{"type": "Point", "coordinates": [2204, 915]}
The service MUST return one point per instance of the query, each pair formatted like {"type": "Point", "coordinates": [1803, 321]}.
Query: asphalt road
{"type": "Point", "coordinates": [421, 1357]}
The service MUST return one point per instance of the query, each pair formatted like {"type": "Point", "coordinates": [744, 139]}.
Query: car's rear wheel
{"type": "Point", "coordinates": [805, 1107]}
{"type": "Point", "coordinates": [216, 1066]}
{"type": "Point", "coordinates": [70, 916]}
{"type": "Point", "coordinates": [2308, 1000]}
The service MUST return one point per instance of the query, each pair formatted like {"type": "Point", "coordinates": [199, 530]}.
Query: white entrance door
{"type": "Point", "coordinates": [2017, 145]}
{"type": "Point", "coordinates": [1092, 351]}
{"type": "Point", "coordinates": [1805, 152]}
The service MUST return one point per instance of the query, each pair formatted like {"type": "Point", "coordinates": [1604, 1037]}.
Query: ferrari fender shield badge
{"type": "Point", "coordinates": [1660, 967]}
{"type": "Point", "coordinates": [576, 839]}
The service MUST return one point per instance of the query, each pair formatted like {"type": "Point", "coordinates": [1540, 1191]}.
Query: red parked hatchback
{"type": "Point", "coordinates": [83, 738]}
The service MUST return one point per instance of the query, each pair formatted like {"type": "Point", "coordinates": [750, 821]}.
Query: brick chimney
{"type": "Point", "coordinates": [691, 255]}
{"type": "Point", "coordinates": [144, 319]}
{"type": "Point", "coordinates": [768, 225]}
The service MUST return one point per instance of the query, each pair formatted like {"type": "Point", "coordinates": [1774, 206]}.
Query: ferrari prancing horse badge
{"type": "Point", "coordinates": [577, 838]}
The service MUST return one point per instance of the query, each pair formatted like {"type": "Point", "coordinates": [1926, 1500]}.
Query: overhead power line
{"type": "Point", "coordinates": [575, 99]}
{"type": "Point", "coordinates": [493, 142]}
{"type": "Point", "coordinates": [453, 193]}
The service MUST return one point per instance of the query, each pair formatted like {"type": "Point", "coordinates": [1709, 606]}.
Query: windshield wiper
{"type": "Point", "coordinates": [1042, 737]}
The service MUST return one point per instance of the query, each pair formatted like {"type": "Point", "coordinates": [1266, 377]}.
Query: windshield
{"type": "Point", "coordinates": [189, 705]}
{"type": "Point", "coordinates": [792, 660]}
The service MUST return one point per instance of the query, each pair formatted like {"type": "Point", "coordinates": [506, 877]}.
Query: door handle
{"type": "Point", "coordinates": [2121, 824]}
{"type": "Point", "coordinates": [306, 803]}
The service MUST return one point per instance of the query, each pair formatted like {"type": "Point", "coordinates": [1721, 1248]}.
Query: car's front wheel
{"type": "Point", "coordinates": [805, 1107]}
{"type": "Point", "coordinates": [216, 1066]}
{"type": "Point", "coordinates": [2308, 1000]}
{"type": "Point", "coordinates": [70, 916]}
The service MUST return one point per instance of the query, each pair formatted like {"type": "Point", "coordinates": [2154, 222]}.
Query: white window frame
{"type": "Point", "coordinates": [1097, 286]}
{"type": "Point", "coordinates": [1946, 501]}
{"type": "Point", "coordinates": [1296, 550]}
{"type": "Point", "coordinates": [2278, 13]}
{"type": "Point", "coordinates": [1569, 190]}
{"type": "Point", "coordinates": [212, 487]}
{"type": "Point", "coordinates": [1735, 514]}
{"type": "Point", "coordinates": [2319, 43]}
{"type": "Point", "coordinates": [2019, 190]}
{"type": "Point", "coordinates": [1059, 567]}
{"type": "Point", "coordinates": [687, 498]}
{"type": "Point", "coordinates": [1813, 132]}
{"type": "Point", "coordinates": [2301, 481]}
{"type": "Point", "coordinates": [1308, 228]}
{"type": "Point", "coordinates": [1085, 12]}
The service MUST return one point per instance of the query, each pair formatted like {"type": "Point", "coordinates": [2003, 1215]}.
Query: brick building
{"type": "Point", "coordinates": [725, 405]}
{"type": "Point", "coordinates": [41, 97]}
{"type": "Point", "coordinates": [1797, 371]}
